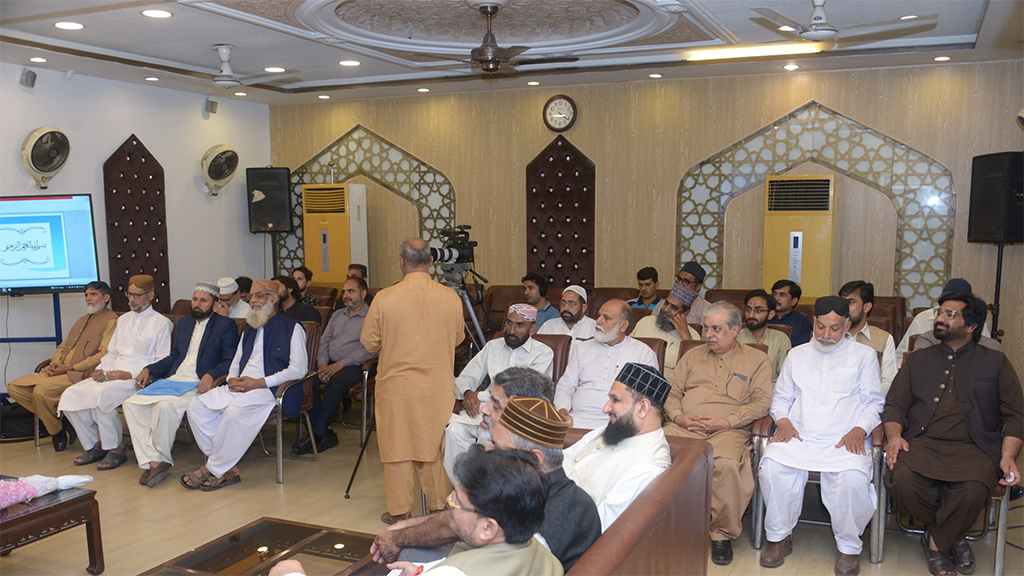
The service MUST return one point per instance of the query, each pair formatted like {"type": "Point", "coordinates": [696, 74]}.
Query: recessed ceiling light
{"type": "Point", "coordinates": [533, 83]}
{"type": "Point", "coordinates": [273, 69]}
{"type": "Point", "coordinates": [157, 13]}
{"type": "Point", "coordinates": [655, 76]}
{"type": "Point", "coordinates": [324, 97]}
{"type": "Point", "coordinates": [754, 51]}
{"type": "Point", "coordinates": [69, 25]}
{"type": "Point", "coordinates": [423, 90]}
{"type": "Point", "coordinates": [240, 94]}
{"type": "Point", "coordinates": [908, 17]}
{"type": "Point", "coordinates": [941, 58]}
{"type": "Point", "coordinates": [787, 29]}
{"type": "Point", "coordinates": [349, 62]}
{"type": "Point", "coordinates": [790, 67]}
{"type": "Point", "coordinates": [152, 79]}
{"type": "Point", "coordinates": [37, 60]}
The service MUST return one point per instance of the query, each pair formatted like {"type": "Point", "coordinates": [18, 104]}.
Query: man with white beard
{"type": "Point", "coordinates": [828, 397]}
{"type": "Point", "coordinates": [582, 390]}
{"type": "Point", "coordinates": [670, 325]}
{"type": "Point", "coordinates": [226, 419]}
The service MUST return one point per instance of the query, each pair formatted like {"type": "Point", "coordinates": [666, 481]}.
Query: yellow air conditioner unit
{"type": "Point", "coordinates": [333, 229]}
{"type": "Point", "coordinates": [800, 233]}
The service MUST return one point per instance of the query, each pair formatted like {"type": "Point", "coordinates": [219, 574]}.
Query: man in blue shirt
{"type": "Point", "coordinates": [535, 288]}
{"type": "Point", "coordinates": [647, 285]}
{"type": "Point", "coordinates": [787, 296]}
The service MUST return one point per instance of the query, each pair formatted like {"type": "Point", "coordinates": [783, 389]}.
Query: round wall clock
{"type": "Point", "coordinates": [559, 113]}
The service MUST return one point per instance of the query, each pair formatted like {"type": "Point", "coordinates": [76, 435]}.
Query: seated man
{"type": "Point", "coordinates": [230, 302]}
{"type": "Point", "coordinates": [573, 321]}
{"type": "Point", "coordinates": [142, 336]}
{"type": "Point", "coordinates": [828, 398]}
{"type": "Point", "coordinates": [515, 349]}
{"type": "Point", "coordinates": [244, 286]}
{"type": "Point", "coordinates": [303, 276]}
{"type": "Point", "coordinates": [758, 310]}
{"type": "Point", "coordinates": [582, 390]}
{"type": "Point", "coordinates": [357, 271]}
{"type": "Point", "coordinates": [571, 523]}
{"type": "Point", "coordinates": [227, 419]}
{"type": "Point", "coordinates": [787, 296]}
{"type": "Point", "coordinates": [647, 286]}
{"type": "Point", "coordinates": [718, 390]}
{"type": "Point", "coordinates": [79, 353]}
{"type": "Point", "coordinates": [670, 324]}
{"type": "Point", "coordinates": [691, 275]}
{"type": "Point", "coordinates": [953, 428]}
{"type": "Point", "coordinates": [861, 297]}
{"type": "Point", "coordinates": [535, 288]}
{"type": "Point", "coordinates": [339, 365]}
{"type": "Point", "coordinates": [922, 324]}
{"type": "Point", "coordinates": [203, 348]}
{"type": "Point", "coordinates": [291, 302]}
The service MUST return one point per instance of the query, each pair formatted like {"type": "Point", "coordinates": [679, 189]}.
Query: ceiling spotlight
{"type": "Point", "coordinates": [349, 62]}
{"type": "Point", "coordinates": [790, 67]}
{"type": "Point", "coordinates": [69, 25]}
{"type": "Point", "coordinates": [157, 13]}
{"type": "Point", "coordinates": [37, 60]}
{"type": "Point", "coordinates": [908, 17]}
{"type": "Point", "coordinates": [533, 83]}
{"type": "Point", "coordinates": [787, 29]}
{"type": "Point", "coordinates": [941, 58]}
{"type": "Point", "coordinates": [655, 76]}
{"type": "Point", "coordinates": [152, 79]}
{"type": "Point", "coordinates": [240, 94]}
{"type": "Point", "coordinates": [423, 90]}
{"type": "Point", "coordinates": [273, 69]}
{"type": "Point", "coordinates": [324, 97]}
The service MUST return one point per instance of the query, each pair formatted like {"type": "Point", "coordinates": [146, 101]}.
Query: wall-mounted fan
{"type": "Point", "coordinates": [44, 153]}
{"type": "Point", "coordinates": [219, 164]}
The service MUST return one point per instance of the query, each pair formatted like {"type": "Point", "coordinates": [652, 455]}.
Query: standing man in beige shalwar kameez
{"type": "Point", "coordinates": [718, 390]}
{"type": "Point", "coordinates": [414, 326]}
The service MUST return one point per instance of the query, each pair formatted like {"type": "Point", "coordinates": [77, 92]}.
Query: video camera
{"type": "Point", "coordinates": [458, 248]}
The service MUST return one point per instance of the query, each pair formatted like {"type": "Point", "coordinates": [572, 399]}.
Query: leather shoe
{"type": "Point", "coordinates": [328, 440]}
{"type": "Point", "coordinates": [304, 446]}
{"type": "Point", "coordinates": [847, 565]}
{"type": "Point", "coordinates": [66, 436]}
{"type": "Point", "coordinates": [721, 552]}
{"type": "Point", "coordinates": [389, 519]}
{"type": "Point", "coordinates": [774, 553]}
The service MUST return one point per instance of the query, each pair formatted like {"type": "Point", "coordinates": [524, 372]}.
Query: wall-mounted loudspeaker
{"type": "Point", "coordinates": [997, 199]}
{"type": "Point", "coordinates": [269, 199]}
{"type": "Point", "coordinates": [28, 78]}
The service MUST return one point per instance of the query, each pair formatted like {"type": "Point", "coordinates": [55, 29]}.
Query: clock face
{"type": "Point", "coordinates": [560, 113]}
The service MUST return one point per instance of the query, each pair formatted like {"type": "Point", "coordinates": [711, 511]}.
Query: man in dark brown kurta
{"type": "Point", "coordinates": [954, 427]}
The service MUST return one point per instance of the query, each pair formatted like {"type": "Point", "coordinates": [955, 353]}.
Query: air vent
{"type": "Point", "coordinates": [324, 200]}
{"type": "Point", "coordinates": [803, 195]}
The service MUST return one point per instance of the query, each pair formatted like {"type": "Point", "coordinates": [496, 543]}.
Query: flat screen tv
{"type": "Point", "coordinates": [47, 244]}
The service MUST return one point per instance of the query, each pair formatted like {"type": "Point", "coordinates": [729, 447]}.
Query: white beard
{"type": "Point", "coordinates": [604, 337]}
{"type": "Point", "coordinates": [94, 308]}
{"type": "Point", "coordinates": [825, 346]}
{"type": "Point", "coordinates": [258, 317]}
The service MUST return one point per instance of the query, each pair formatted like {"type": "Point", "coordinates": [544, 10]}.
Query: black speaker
{"type": "Point", "coordinates": [270, 208]}
{"type": "Point", "coordinates": [997, 199]}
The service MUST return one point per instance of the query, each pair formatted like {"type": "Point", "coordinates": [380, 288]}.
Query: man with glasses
{"type": "Point", "coordinates": [691, 276]}
{"type": "Point", "coordinates": [142, 337]}
{"type": "Point", "coordinates": [954, 426]}
{"type": "Point", "coordinates": [787, 295]}
{"type": "Point", "coordinates": [758, 309]}
{"type": "Point", "coordinates": [670, 325]}
{"type": "Point", "coordinates": [923, 322]}
{"type": "Point", "coordinates": [79, 353]}
{"type": "Point", "coordinates": [230, 302]}
{"type": "Point", "coordinates": [573, 320]}
{"type": "Point", "coordinates": [474, 383]}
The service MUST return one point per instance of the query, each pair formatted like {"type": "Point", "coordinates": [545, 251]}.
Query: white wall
{"type": "Point", "coordinates": [208, 236]}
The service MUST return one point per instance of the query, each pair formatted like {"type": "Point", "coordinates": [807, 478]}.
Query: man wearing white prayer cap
{"type": "Point", "coordinates": [229, 301]}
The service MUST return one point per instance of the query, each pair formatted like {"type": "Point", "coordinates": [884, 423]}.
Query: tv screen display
{"type": "Point", "coordinates": [47, 244]}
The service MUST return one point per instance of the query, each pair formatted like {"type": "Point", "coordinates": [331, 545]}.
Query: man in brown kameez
{"type": "Point", "coordinates": [954, 427]}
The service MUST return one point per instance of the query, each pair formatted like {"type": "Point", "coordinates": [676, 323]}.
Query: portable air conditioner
{"type": "Point", "coordinates": [333, 229]}
{"type": "Point", "coordinates": [800, 233]}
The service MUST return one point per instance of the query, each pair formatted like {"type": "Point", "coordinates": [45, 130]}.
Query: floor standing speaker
{"type": "Point", "coordinates": [997, 199]}
{"type": "Point", "coordinates": [269, 199]}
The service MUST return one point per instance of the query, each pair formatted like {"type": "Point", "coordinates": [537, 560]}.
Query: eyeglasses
{"type": "Point", "coordinates": [685, 282]}
{"type": "Point", "coordinates": [757, 310]}
{"type": "Point", "coordinates": [259, 295]}
{"type": "Point", "coordinates": [134, 296]}
{"type": "Point", "coordinates": [453, 503]}
{"type": "Point", "coordinates": [938, 311]}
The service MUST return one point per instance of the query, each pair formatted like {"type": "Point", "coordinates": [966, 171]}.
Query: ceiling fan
{"type": "Point", "coordinates": [820, 30]}
{"type": "Point", "coordinates": [227, 79]}
{"type": "Point", "coordinates": [489, 56]}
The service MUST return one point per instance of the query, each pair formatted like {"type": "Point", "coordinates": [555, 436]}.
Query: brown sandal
{"type": "Point", "coordinates": [197, 477]}
{"type": "Point", "coordinates": [230, 478]}
{"type": "Point", "coordinates": [960, 554]}
{"type": "Point", "coordinates": [939, 563]}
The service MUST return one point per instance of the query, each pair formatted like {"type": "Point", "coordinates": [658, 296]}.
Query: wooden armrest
{"type": "Point", "coordinates": [43, 365]}
{"type": "Point", "coordinates": [762, 428]}
{"type": "Point", "coordinates": [878, 437]}
{"type": "Point", "coordinates": [306, 381]}
{"type": "Point", "coordinates": [370, 364]}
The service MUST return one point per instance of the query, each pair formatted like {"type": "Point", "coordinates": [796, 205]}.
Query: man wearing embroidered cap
{"type": "Point", "coordinates": [670, 325]}
{"type": "Point", "coordinates": [517, 348]}
{"type": "Point", "coordinates": [229, 301]}
{"type": "Point", "coordinates": [616, 462]}
{"type": "Point", "coordinates": [142, 336]}
{"type": "Point", "coordinates": [827, 399]}
{"type": "Point", "coordinates": [203, 347]}
{"type": "Point", "coordinates": [227, 419]}
{"type": "Point", "coordinates": [691, 275]}
{"type": "Point", "coordinates": [573, 321]}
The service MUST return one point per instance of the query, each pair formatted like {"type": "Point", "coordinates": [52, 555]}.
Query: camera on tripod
{"type": "Point", "coordinates": [458, 248]}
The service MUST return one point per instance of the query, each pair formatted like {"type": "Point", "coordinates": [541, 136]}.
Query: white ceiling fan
{"type": "Point", "coordinates": [227, 79]}
{"type": "Point", "coordinates": [820, 30]}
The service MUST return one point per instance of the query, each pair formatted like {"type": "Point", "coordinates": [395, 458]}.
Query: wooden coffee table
{"type": "Point", "coordinates": [31, 521]}
{"type": "Point", "coordinates": [256, 547]}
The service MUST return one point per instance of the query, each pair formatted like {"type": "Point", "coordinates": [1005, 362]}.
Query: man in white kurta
{"type": "Point", "coordinates": [142, 336]}
{"type": "Point", "coordinates": [516, 348]}
{"type": "Point", "coordinates": [614, 463]}
{"type": "Point", "coordinates": [827, 400]}
{"type": "Point", "coordinates": [230, 301]}
{"type": "Point", "coordinates": [582, 390]}
{"type": "Point", "coordinates": [226, 419]}
{"type": "Point", "coordinates": [573, 321]}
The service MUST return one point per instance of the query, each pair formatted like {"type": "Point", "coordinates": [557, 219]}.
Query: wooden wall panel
{"type": "Point", "coordinates": [391, 219]}
{"type": "Point", "coordinates": [644, 135]}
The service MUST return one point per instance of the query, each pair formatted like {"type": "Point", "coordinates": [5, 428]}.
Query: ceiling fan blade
{"type": "Point", "coordinates": [779, 18]}
{"type": "Point", "coordinates": [931, 19]}
{"type": "Point", "coordinates": [534, 61]}
{"type": "Point", "coordinates": [263, 77]}
{"type": "Point", "coordinates": [881, 35]}
{"type": "Point", "coordinates": [510, 52]}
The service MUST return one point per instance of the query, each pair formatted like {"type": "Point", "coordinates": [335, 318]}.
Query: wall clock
{"type": "Point", "coordinates": [559, 113]}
